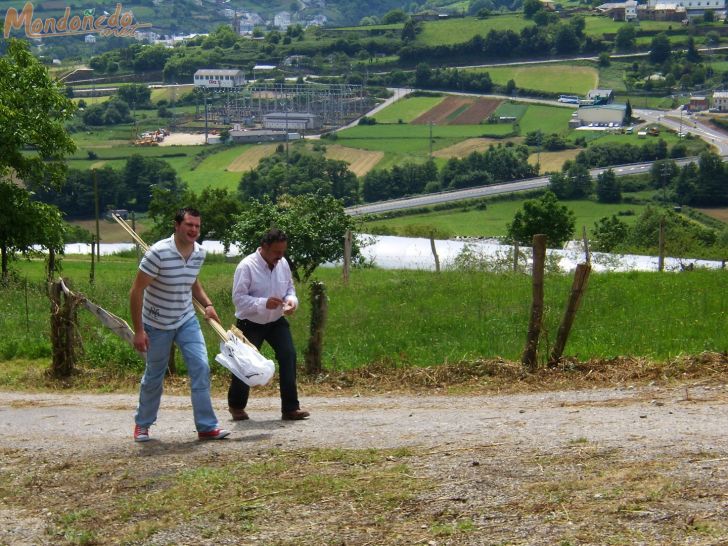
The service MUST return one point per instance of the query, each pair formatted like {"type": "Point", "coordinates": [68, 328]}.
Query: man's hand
{"type": "Point", "coordinates": [273, 303]}
{"type": "Point", "coordinates": [289, 308]}
{"type": "Point", "coordinates": [141, 341]}
{"type": "Point", "coordinates": [210, 313]}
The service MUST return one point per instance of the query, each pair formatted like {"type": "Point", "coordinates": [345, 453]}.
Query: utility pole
{"type": "Point", "coordinates": [430, 140]}
{"type": "Point", "coordinates": [204, 94]}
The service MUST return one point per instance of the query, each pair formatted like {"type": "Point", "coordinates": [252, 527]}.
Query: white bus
{"type": "Point", "coordinates": [570, 99]}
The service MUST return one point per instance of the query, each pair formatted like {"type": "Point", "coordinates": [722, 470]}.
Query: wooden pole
{"type": "Point", "coordinates": [347, 255]}
{"type": "Point", "coordinates": [64, 325]}
{"type": "Point", "coordinates": [585, 239]}
{"type": "Point", "coordinates": [96, 212]}
{"type": "Point", "coordinates": [133, 227]}
{"type": "Point", "coordinates": [516, 250]}
{"type": "Point", "coordinates": [581, 278]}
{"type": "Point", "coordinates": [661, 245]}
{"type": "Point", "coordinates": [319, 312]}
{"type": "Point", "coordinates": [92, 273]}
{"type": "Point", "coordinates": [534, 326]}
{"type": "Point", "coordinates": [434, 252]}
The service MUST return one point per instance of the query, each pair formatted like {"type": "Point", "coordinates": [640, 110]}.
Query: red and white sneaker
{"type": "Point", "coordinates": [141, 434]}
{"type": "Point", "coordinates": [215, 434]}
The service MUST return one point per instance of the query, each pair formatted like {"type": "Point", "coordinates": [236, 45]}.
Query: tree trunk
{"type": "Point", "coordinates": [64, 328]}
{"type": "Point", "coordinates": [319, 311]}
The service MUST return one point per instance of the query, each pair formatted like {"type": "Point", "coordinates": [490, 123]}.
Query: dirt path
{"type": "Point", "coordinates": [497, 461]}
{"type": "Point", "coordinates": [626, 418]}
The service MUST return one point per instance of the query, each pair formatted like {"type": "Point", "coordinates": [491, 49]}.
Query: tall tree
{"type": "Point", "coordinates": [545, 215]}
{"type": "Point", "coordinates": [315, 225]}
{"type": "Point", "coordinates": [33, 145]}
{"type": "Point", "coordinates": [608, 187]}
{"type": "Point", "coordinates": [660, 48]}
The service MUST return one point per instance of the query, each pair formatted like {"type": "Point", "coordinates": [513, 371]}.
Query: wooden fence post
{"type": "Point", "coordinates": [581, 277]}
{"type": "Point", "coordinates": [534, 327]}
{"type": "Point", "coordinates": [585, 240]}
{"type": "Point", "coordinates": [319, 311]}
{"type": "Point", "coordinates": [661, 245]}
{"type": "Point", "coordinates": [64, 326]}
{"type": "Point", "coordinates": [92, 273]}
{"type": "Point", "coordinates": [347, 255]}
{"type": "Point", "coordinates": [434, 252]}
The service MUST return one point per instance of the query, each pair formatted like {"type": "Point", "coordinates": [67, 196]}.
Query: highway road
{"type": "Point", "coordinates": [483, 191]}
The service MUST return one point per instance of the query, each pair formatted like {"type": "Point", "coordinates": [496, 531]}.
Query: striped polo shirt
{"type": "Point", "coordinates": [168, 299]}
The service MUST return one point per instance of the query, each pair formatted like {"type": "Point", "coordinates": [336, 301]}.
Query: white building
{"type": "Point", "coordinates": [299, 121]}
{"type": "Point", "coordinates": [693, 7]}
{"type": "Point", "coordinates": [218, 77]}
{"type": "Point", "coordinates": [720, 101]}
{"type": "Point", "coordinates": [282, 20]}
{"type": "Point", "coordinates": [604, 116]}
{"type": "Point", "coordinates": [90, 39]}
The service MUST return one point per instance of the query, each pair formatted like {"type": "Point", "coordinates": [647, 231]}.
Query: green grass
{"type": "Point", "coordinates": [459, 30]}
{"type": "Point", "coordinates": [414, 317]}
{"type": "Point", "coordinates": [548, 119]}
{"type": "Point", "coordinates": [550, 78]}
{"type": "Point", "coordinates": [407, 109]}
{"type": "Point", "coordinates": [492, 221]}
{"type": "Point", "coordinates": [511, 109]}
{"type": "Point", "coordinates": [405, 140]}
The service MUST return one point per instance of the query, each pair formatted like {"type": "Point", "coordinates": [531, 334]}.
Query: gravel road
{"type": "Point", "coordinates": [629, 418]}
{"type": "Point", "coordinates": [500, 462]}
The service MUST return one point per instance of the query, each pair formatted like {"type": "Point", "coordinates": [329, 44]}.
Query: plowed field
{"type": "Point", "coordinates": [458, 111]}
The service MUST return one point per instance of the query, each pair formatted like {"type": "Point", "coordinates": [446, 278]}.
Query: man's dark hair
{"type": "Point", "coordinates": [180, 216]}
{"type": "Point", "coordinates": [273, 235]}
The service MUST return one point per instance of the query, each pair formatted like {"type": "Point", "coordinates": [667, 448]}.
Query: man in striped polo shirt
{"type": "Point", "coordinates": [162, 314]}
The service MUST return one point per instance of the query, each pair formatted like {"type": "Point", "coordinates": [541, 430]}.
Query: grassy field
{"type": "Point", "coordinates": [451, 317]}
{"type": "Point", "coordinates": [550, 78]}
{"type": "Point", "coordinates": [492, 221]}
{"type": "Point", "coordinates": [548, 119]}
{"type": "Point", "coordinates": [459, 30]}
{"type": "Point", "coordinates": [407, 109]}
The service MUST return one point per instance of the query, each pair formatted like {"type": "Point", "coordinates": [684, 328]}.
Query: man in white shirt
{"type": "Point", "coordinates": [263, 294]}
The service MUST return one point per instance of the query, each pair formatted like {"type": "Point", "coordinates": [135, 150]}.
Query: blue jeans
{"type": "Point", "coordinates": [188, 338]}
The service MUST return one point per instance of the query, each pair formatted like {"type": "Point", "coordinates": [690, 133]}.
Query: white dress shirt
{"type": "Point", "coordinates": [254, 282]}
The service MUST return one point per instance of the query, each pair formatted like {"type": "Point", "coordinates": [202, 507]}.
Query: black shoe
{"type": "Point", "coordinates": [239, 414]}
{"type": "Point", "coordinates": [295, 415]}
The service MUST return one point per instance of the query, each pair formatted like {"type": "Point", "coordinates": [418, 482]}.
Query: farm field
{"type": "Point", "coordinates": [548, 119]}
{"type": "Point", "coordinates": [250, 156]}
{"type": "Point", "coordinates": [360, 161]}
{"type": "Point", "coordinates": [456, 31]}
{"type": "Point", "coordinates": [492, 221]}
{"type": "Point", "coordinates": [466, 147]}
{"type": "Point", "coordinates": [407, 109]}
{"type": "Point", "coordinates": [719, 214]}
{"type": "Point", "coordinates": [550, 78]}
{"type": "Point", "coordinates": [552, 161]}
{"type": "Point", "coordinates": [458, 110]}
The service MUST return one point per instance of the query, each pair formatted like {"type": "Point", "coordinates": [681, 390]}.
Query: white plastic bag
{"type": "Point", "coordinates": [248, 365]}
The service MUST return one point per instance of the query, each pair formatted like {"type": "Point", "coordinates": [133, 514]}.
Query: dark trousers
{"type": "Point", "coordinates": [278, 336]}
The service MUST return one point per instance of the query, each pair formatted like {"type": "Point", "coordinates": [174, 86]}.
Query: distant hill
{"type": "Point", "coordinates": [201, 16]}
